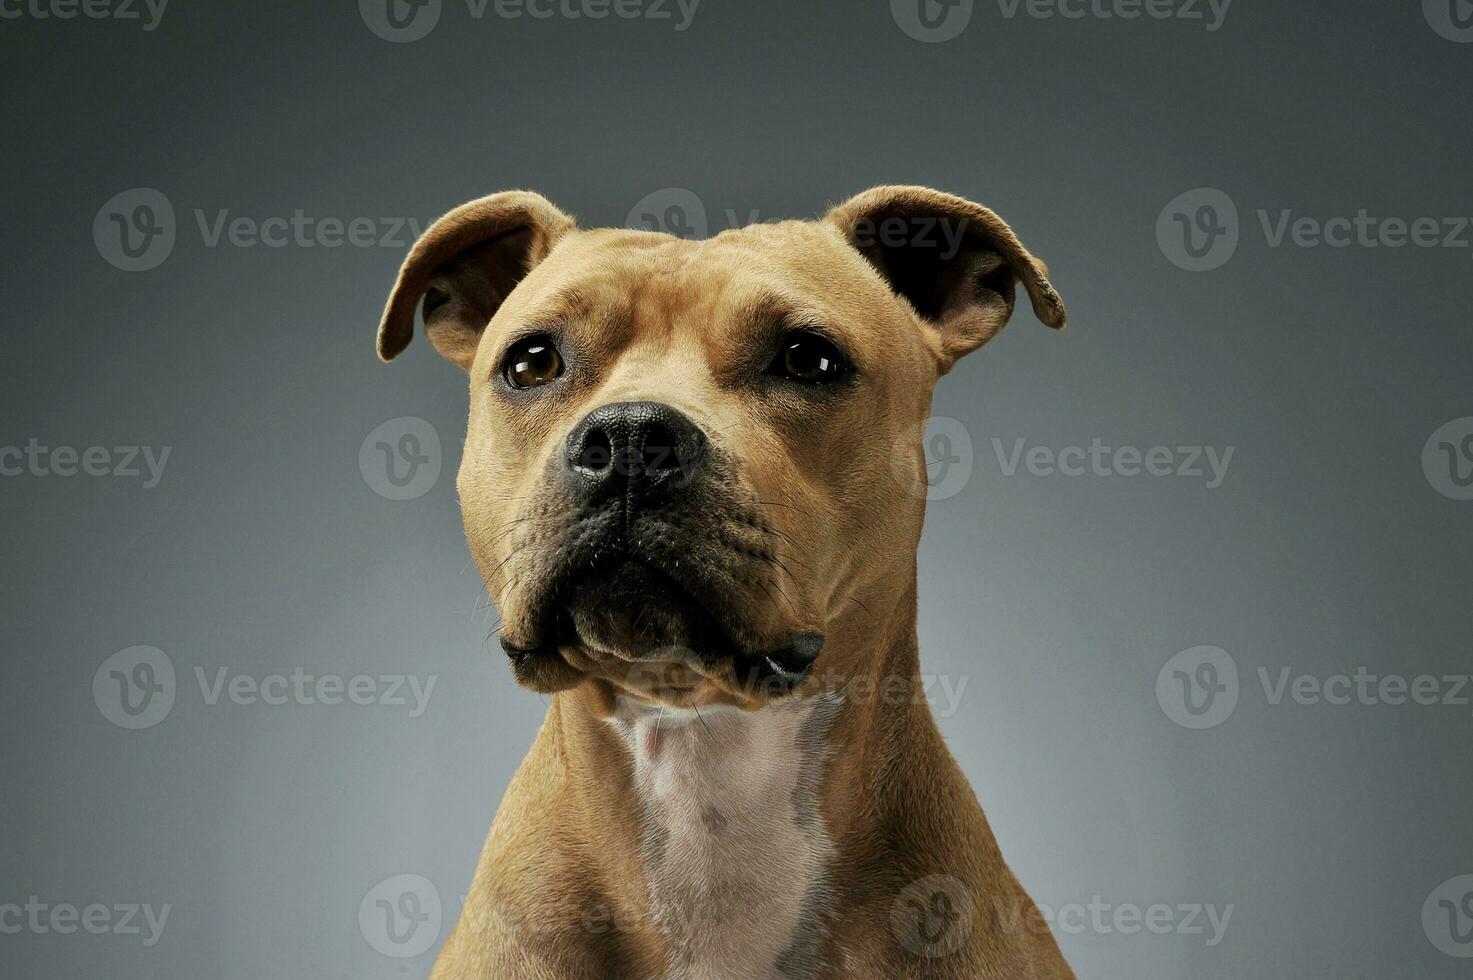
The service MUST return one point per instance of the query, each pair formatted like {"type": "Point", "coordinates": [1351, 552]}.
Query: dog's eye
{"type": "Point", "coordinates": [808, 357]}
{"type": "Point", "coordinates": [533, 362]}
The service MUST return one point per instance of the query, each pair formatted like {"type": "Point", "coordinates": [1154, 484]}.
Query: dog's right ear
{"type": "Point", "coordinates": [957, 263]}
{"type": "Point", "coordinates": [464, 266]}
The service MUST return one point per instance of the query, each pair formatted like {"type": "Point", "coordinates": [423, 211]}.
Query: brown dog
{"type": "Point", "coordinates": [694, 483]}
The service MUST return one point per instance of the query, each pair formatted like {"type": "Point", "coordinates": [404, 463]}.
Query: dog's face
{"type": "Point", "coordinates": [686, 460]}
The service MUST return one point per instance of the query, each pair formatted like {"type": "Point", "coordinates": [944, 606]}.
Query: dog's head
{"type": "Point", "coordinates": [686, 460]}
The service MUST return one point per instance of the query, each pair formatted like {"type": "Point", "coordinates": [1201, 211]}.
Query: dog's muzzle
{"type": "Point", "coordinates": [660, 557]}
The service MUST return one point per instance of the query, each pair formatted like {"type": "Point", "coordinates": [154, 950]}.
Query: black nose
{"type": "Point", "coordinates": [633, 447]}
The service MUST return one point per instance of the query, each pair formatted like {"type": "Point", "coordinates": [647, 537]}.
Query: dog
{"type": "Point", "coordinates": [694, 482]}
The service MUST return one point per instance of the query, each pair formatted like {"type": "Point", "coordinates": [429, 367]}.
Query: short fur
{"type": "Point", "coordinates": [625, 848]}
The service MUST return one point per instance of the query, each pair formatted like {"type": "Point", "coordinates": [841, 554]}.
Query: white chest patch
{"type": "Point", "coordinates": [735, 848]}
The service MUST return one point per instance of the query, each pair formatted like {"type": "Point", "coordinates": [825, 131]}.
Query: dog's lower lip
{"type": "Point", "coordinates": [518, 653]}
{"type": "Point", "coordinates": [782, 669]}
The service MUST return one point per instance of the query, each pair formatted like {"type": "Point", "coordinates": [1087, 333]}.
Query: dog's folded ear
{"type": "Point", "coordinates": [956, 262]}
{"type": "Point", "coordinates": [464, 266]}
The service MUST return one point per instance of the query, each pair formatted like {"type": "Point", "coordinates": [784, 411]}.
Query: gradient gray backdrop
{"type": "Point", "coordinates": [263, 548]}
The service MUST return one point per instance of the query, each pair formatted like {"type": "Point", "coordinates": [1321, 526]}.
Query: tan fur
{"type": "Point", "coordinates": [565, 886]}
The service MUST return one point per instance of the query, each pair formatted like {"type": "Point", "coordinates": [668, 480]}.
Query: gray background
{"type": "Point", "coordinates": [264, 549]}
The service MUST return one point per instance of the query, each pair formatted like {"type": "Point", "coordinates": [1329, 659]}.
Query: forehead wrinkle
{"type": "Point", "coordinates": [567, 301]}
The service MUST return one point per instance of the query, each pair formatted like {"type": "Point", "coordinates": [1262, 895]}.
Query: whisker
{"type": "Point", "coordinates": [773, 530]}
{"type": "Point", "coordinates": [785, 596]}
{"type": "Point", "coordinates": [510, 555]}
{"type": "Point", "coordinates": [775, 562]}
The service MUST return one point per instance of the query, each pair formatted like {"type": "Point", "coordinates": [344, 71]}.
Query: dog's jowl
{"type": "Point", "coordinates": [694, 484]}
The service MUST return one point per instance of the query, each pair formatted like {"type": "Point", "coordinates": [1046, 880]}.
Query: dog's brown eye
{"type": "Point", "coordinates": [533, 362]}
{"type": "Point", "coordinates": [809, 358]}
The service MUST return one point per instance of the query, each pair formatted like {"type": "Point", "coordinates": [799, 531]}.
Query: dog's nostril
{"type": "Point", "coordinates": [660, 453]}
{"type": "Point", "coordinates": [626, 446]}
{"type": "Point", "coordinates": [597, 452]}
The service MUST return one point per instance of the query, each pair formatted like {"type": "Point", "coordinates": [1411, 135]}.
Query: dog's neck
{"type": "Point", "coordinates": [735, 847]}
{"type": "Point", "coordinates": [733, 818]}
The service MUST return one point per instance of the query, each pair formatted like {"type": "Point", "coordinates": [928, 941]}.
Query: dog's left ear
{"type": "Point", "coordinates": [956, 262]}
{"type": "Point", "coordinates": [464, 266]}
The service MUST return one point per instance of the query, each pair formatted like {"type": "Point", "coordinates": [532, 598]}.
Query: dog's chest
{"type": "Point", "coordinates": [735, 847]}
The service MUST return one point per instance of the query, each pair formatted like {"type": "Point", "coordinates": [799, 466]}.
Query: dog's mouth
{"type": "Point", "coordinates": [653, 631]}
